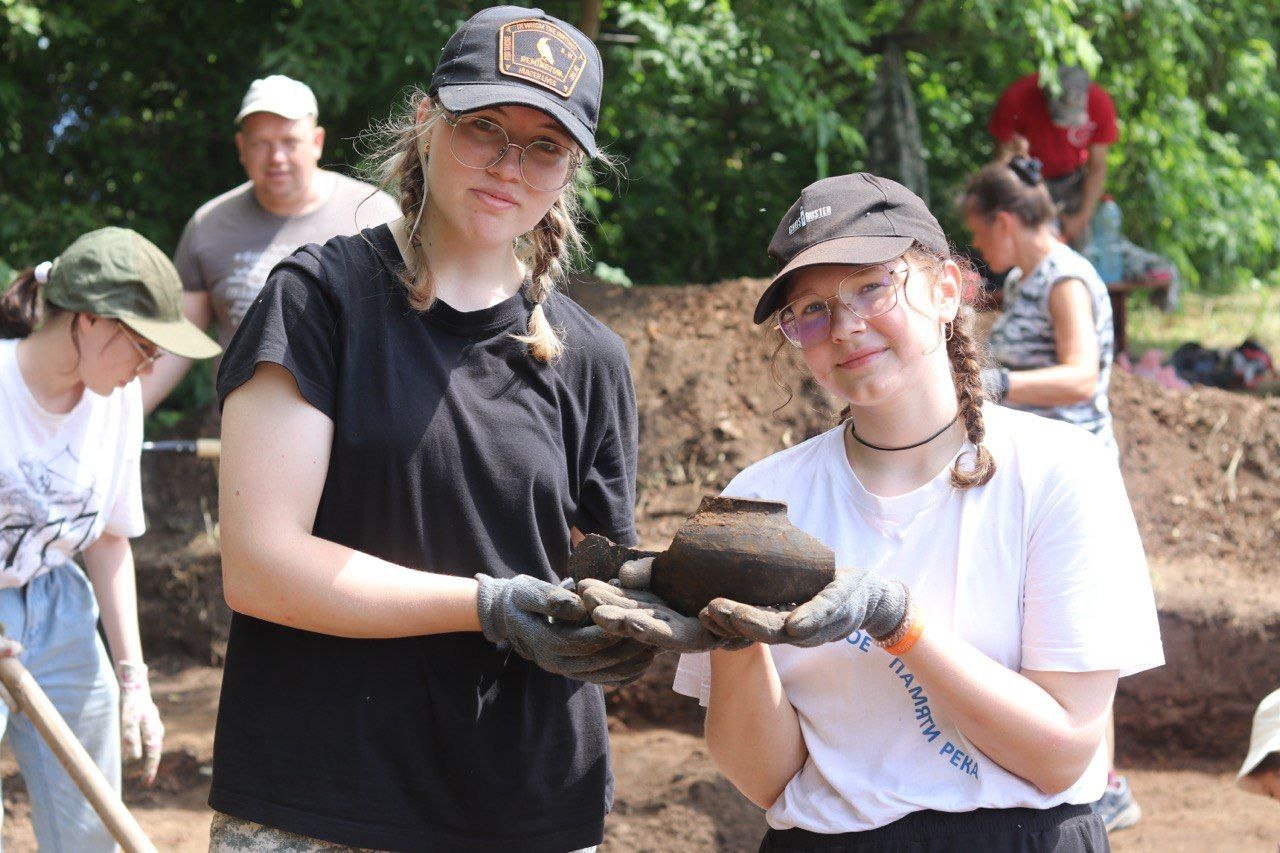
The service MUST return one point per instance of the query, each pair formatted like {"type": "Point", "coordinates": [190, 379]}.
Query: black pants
{"type": "Point", "coordinates": [1062, 829]}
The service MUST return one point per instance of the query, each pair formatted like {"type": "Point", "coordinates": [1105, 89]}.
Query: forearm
{"type": "Point", "coordinates": [108, 563]}
{"type": "Point", "coordinates": [163, 378]}
{"type": "Point", "coordinates": [1013, 720]}
{"type": "Point", "coordinates": [1059, 385]}
{"type": "Point", "coordinates": [1095, 180]}
{"type": "Point", "coordinates": [752, 730]}
{"type": "Point", "coordinates": [306, 582]}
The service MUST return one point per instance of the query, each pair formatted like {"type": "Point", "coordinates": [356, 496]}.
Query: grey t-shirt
{"type": "Point", "coordinates": [232, 242]}
{"type": "Point", "coordinates": [1022, 338]}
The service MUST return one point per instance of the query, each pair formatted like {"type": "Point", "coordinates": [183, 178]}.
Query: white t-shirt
{"type": "Point", "coordinates": [1042, 568]}
{"type": "Point", "coordinates": [64, 479]}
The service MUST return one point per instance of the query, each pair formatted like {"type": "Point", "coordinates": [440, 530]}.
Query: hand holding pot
{"type": "Point", "coordinates": [626, 608]}
{"type": "Point", "coordinates": [855, 601]}
{"type": "Point", "coordinates": [548, 625]}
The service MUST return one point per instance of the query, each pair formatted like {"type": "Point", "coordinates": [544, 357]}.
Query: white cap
{"type": "Point", "coordinates": [281, 95]}
{"type": "Point", "coordinates": [1266, 733]}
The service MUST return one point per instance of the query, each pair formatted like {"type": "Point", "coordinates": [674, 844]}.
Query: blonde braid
{"type": "Point", "coordinates": [399, 151]}
{"type": "Point", "coordinates": [966, 369]}
{"type": "Point", "coordinates": [546, 252]}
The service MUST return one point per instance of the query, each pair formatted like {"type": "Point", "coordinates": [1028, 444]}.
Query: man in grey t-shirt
{"type": "Point", "coordinates": [233, 241]}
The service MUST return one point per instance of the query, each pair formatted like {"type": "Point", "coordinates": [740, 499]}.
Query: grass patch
{"type": "Point", "coordinates": [1217, 320]}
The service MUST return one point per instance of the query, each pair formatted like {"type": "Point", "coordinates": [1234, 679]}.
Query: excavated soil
{"type": "Point", "coordinates": [1202, 469]}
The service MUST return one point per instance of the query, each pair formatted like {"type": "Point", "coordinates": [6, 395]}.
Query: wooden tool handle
{"type": "Point", "coordinates": [208, 448]}
{"type": "Point", "coordinates": [33, 702]}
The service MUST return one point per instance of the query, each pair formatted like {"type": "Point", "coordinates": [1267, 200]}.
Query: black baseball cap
{"type": "Point", "coordinates": [513, 55]}
{"type": "Point", "coordinates": [848, 219]}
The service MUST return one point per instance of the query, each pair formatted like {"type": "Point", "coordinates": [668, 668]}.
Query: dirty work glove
{"type": "Point", "coordinates": [855, 601]}
{"type": "Point", "coordinates": [548, 625]}
{"type": "Point", "coordinates": [628, 609]}
{"type": "Point", "coordinates": [141, 732]}
{"type": "Point", "coordinates": [8, 649]}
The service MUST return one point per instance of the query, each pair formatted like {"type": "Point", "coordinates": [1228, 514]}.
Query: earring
{"type": "Point", "coordinates": [948, 331]}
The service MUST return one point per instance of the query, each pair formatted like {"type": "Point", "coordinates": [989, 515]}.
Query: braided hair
{"type": "Point", "coordinates": [966, 357]}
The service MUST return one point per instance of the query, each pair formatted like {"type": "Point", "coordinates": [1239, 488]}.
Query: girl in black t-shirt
{"type": "Point", "coordinates": [416, 426]}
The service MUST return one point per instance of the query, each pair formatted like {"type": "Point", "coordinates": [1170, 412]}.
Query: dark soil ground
{"type": "Point", "coordinates": [1203, 472]}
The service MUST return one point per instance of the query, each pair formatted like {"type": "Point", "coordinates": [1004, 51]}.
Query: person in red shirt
{"type": "Point", "coordinates": [1068, 133]}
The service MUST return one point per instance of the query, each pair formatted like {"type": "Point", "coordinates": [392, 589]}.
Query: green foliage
{"type": "Point", "coordinates": [120, 112]}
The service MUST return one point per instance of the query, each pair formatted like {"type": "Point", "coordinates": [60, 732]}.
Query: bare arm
{"type": "Point", "coordinates": [108, 562]}
{"type": "Point", "coordinates": [1095, 180]}
{"type": "Point", "coordinates": [1075, 378]}
{"type": "Point", "coordinates": [752, 730]}
{"type": "Point", "coordinates": [275, 456]}
{"type": "Point", "coordinates": [1014, 146]}
{"type": "Point", "coordinates": [169, 369]}
{"type": "Point", "coordinates": [1042, 726]}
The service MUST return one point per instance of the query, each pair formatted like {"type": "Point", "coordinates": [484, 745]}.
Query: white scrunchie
{"type": "Point", "coordinates": [42, 271]}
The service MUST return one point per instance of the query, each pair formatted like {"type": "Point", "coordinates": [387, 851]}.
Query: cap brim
{"type": "Point", "coordinates": [180, 337]}
{"type": "Point", "coordinates": [842, 250]}
{"type": "Point", "coordinates": [1259, 748]}
{"type": "Point", "coordinates": [463, 98]}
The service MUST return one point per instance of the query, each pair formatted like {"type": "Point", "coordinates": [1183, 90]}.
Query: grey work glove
{"type": "Point", "coordinates": [855, 601]}
{"type": "Point", "coordinates": [628, 609]}
{"type": "Point", "coordinates": [548, 625]}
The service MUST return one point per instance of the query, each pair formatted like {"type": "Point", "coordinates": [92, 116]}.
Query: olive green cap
{"type": "Point", "coordinates": [118, 273]}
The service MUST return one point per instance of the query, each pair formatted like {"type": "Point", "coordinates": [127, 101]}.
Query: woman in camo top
{"type": "Point", "coordinates": [1054, 341]}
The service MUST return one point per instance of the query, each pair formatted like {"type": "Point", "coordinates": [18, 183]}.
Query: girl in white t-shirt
{"type": "Point", "coordinates": [953, 696]}
{"type": "Point", "coordinates": [70, 438]}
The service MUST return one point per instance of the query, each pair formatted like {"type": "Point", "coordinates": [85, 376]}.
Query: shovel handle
{"type": "Point", "coordinates": [33, 702]}
{"type": "Point", "coordinates": [201, 448]}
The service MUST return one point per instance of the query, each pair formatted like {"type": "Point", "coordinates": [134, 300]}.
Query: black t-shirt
{"type": "Point", "coordinates": [454, 451]}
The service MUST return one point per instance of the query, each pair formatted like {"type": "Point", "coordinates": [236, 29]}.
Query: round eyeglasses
{"type": "Point", "coordinates": [479, 143]}
{"type": "Point", "coordinates": [867, 292]}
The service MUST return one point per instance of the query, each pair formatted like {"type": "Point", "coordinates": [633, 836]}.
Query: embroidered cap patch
{"type": "Point", "coordinates": [541, 53]}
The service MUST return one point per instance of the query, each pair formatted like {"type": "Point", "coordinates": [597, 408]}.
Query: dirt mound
{"type": "Point", "coordinates": [1203, 472]}
{"type": "Point", "coordinates": [1202, 467]}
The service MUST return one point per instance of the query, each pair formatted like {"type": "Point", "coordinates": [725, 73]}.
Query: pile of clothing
{"type": "Point", "coordinates": [1241, 368]}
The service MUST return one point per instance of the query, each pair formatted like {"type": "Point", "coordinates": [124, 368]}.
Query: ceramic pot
{"type": "Point", "coordinates": [746, 550]}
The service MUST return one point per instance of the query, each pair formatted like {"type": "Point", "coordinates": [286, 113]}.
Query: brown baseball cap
{"type": "Point", "coordinates": [848, 219]}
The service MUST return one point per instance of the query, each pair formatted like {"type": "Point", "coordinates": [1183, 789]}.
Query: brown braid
{"type": "Point", "coordinates": [966, 370]}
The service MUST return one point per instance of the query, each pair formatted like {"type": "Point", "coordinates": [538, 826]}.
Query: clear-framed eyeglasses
{"type": "Point", "coordinates": [479, 143]}
{"type": "Point", "coordinates": [868, 292]}
{"type": "Point", "coordinates": [149, 351]}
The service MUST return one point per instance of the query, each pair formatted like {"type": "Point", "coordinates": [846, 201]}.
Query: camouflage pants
{"type": "Point", "coordinates": [235, 835]}
{"type": "Point", "coordinates": [228, 834]}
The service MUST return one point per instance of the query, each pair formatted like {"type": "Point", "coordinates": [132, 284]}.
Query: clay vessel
{"type": "Point", "coordinates": [597, 557]}
{"type": "Point", "coordinates": [746, 550]}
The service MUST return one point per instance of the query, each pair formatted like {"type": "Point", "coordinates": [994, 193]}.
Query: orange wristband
{"type": "Point", "coordinates": [908, 640]}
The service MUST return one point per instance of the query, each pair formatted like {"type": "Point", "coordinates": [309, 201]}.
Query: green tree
{"type": "Point", "coordinates": [120, 111]}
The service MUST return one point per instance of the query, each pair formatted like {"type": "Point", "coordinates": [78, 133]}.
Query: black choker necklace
{"type": "Point", "coordinates": [853, 432]}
